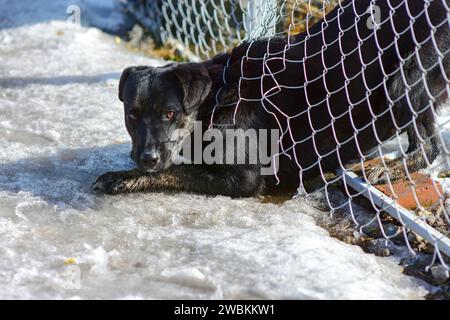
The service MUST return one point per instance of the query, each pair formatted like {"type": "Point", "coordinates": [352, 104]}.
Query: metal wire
{"type": "Point", "coordinates": [209, 27]}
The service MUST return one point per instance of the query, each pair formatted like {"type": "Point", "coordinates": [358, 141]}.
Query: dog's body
{"type": "Point", "coordinates": [337, 95]}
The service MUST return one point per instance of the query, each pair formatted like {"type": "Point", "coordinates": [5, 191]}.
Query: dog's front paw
{"type": "Point", "coordinates": [377, 175]}
{"type": "Point", "coordinates": [110, 183]}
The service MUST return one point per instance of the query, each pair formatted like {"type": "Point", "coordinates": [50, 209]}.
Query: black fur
{"type": "Point", "coordinates": [338, 127]}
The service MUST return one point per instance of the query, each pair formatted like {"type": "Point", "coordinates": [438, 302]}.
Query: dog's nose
{"type": "Point", "coordinates": [149, 159]}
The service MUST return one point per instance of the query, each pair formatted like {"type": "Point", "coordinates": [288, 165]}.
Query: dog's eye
{"type": "Point", "coordinates": [170, 115]}
{"type": "Point", "coordinates": [133, 117]}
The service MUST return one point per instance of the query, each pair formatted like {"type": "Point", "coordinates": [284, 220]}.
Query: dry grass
{"type": "Point", "coordinates": [296, 14]}
{"type": "Point", "coordinates": [299, 13]}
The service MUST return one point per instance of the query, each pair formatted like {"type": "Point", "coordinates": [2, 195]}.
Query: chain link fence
{"type": "Point", "coordinates": [208, 27]}
{"type": "Point", "coordinates": [412, 210]}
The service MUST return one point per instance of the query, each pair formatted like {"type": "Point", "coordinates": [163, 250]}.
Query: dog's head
{"type": "Point", "coordinates": [158, 102]}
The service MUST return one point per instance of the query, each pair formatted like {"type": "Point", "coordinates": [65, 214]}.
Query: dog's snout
{"type": "Point", "coordinates": [149, 159]}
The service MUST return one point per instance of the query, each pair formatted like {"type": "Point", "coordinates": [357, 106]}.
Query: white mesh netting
{"type": "Point", "coordinates": [346, 82]}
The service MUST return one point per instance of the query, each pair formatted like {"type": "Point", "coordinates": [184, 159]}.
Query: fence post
{"type": "Point", "coordinates": [397, 212]}
{"type": "Point", "coordinates": [261, 19]}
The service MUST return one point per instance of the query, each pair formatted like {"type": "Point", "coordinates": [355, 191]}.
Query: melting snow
{"type": "Point", "coordinates": [61, 126]}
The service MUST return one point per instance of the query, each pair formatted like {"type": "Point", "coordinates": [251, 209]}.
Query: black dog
{"type": "Point", "coordinates": [336, 92]}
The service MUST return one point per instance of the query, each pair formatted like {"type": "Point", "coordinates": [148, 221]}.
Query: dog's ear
{"type": "Point", "coordinates": [125, 75]}
{"type": "Point", "coordinates": [195, 82]}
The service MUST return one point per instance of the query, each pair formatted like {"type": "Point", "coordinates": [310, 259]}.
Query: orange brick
{"type": "Point", "coordinates": [426, 192]}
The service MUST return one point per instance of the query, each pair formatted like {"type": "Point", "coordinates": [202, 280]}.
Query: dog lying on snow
{"type": "Point", "coordinates": [339, 95]}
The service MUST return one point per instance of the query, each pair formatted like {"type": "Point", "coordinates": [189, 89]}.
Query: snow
{"type": "Point", "coordinates": [61, 125]}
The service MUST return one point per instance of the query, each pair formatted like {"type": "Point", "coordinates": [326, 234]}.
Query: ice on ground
{"type": "Point", "coordinates": [61, 125]}
{"type": "Point", "coordinates": [105, 14]}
